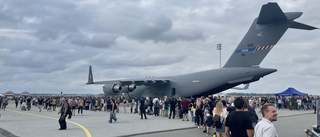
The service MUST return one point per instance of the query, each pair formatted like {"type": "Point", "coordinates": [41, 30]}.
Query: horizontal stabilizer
{"type": "Point", "coordinates": [297, 25]}
{"type": "Point", "coordinates": [269, 13]}
{"type": "Point", "coordinates": [293, 15]}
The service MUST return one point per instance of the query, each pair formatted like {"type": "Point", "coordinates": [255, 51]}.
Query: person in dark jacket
{"type": "Point", "coordinates": [172, 104]}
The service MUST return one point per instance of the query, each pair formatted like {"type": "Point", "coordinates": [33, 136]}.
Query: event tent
{"type": "Point", "coordinates": [291, 92]}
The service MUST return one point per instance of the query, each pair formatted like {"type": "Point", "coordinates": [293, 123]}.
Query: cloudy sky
{"type": "Point", "coordinates": [47, 46]}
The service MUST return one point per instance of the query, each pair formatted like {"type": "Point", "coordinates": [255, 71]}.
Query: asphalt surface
{"type": "Point", "coordinates": [14, 122]}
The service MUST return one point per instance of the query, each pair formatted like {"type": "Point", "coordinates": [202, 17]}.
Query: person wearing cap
{"type": "Point", "coordinates": [207, 124]}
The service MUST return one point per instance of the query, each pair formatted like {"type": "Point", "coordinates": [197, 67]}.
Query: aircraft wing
{"type": "Point", "coordinates": [138, 82]}
{"type": "Point", "coordinates": [145, 81]}
{"type": "Point", "coordinates": [127, 82]}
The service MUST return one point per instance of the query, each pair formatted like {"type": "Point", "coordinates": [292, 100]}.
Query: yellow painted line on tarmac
{"type": "Point", "coordinates": [85, 130]}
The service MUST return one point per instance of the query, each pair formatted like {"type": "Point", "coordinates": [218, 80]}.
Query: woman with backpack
{"type": "Point", "coordinates": [219, 119]}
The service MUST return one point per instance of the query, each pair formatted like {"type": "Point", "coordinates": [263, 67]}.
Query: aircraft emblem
{"type": "Point", "coordinates": [259, 34]}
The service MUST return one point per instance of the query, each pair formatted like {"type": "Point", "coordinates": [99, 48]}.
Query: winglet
{"type": "Point", "coordinates": [90, 77]}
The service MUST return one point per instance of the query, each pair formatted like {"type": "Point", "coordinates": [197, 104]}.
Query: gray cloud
{"type": "Point", "coordinates": [160, 28]}
{"type": "Point", "coordinates": [98, 41]}
{"type": "Point", "coordinates": [51, 43]}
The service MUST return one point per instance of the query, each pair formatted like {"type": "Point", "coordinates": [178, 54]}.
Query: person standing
{"type": "Point", "coordinates": [191, 109]}
{"type": "Point", "coordinates": [179, 112]}
{"type": "Point", "coordinates": [142, 108]}
{"type": "Point", "coordinates": [185, 106]}
{"type": "Point", "coordinates": [16, 101]}
{"type": "Point", "coordinates": [199, 113]}
{"type": "Point", "coordinates": [238, 122]}
{"type": "Point", "coordinates": [314, 105]}
{"type": "Point", "coordinates": [112, 112]}
{"type": "Point", "coordinates": [131, 101]}
{"type": "Point", "coordinates": [299, 102]}
{"type": "Point", "coordinates": [40, 102]}
{"type": "Point", "coordinates": [50, 104]}
{"type": "Point", "coordinates": [265, 128]}
{"type": "Point", "coordinates": [118, 104]}
{"type": "Point", "coordinates": [161, 107]}
{"type": "Point", "coordinates": [136, 103]}
{"type": "Point", "coordinates": [5, 103]}
{"type": "Point", "coordinates": [0, 103]}
{"type": "Point", "coordinates": [279, 103]}
{"type": "Point", "coordinates": [73, 106]}
{"type": "Point", "coordinates": [173, 104]}
{"type": "Point", "coordinates": [28, 103]}
{"type": "Point", "coordinates": [93, 102]}
{"type": "Point", "coordinates": [222, 113]}
{"type": "Point", "coordinates": [54, 104]}
{"type": "Point", "coordinates": [124, 105]}
{"type": "Point", "coordinates": [63, 111]}
{"type": "Point", "coordinates": [80, 106]}
{"type": "Point", "coordinates": [156, 107]}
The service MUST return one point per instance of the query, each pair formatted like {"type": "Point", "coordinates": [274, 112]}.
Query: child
{"type": "Point", "coordinates": [207, 124]}
{"type": "Point", "coordinates": [206, 115]}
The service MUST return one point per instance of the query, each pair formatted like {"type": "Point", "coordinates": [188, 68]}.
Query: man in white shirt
{"type": "Point", "coordinates": [265, 127]}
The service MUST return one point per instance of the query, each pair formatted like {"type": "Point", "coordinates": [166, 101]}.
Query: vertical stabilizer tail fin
{"type": "Point", "coordinates": [90, 77]}
{"type": "Point", "coordinates": [263, 35]}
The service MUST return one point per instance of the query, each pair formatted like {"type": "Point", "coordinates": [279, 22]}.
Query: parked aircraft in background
{"type": "Point", "coordinates": [241, 68]}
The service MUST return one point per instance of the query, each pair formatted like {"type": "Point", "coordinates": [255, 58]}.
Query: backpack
{"type": "Point", "coordinates": [156, 104]}
{"type": "Point", "coordinates": [217, 121]}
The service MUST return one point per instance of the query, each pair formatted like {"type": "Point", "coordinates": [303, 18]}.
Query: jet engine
{"type": "Point", "coordinates": [116, 88]}
{"type": "Point", "coordinates": [131, 87]}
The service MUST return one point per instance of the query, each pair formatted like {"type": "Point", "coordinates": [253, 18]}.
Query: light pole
{"type": "Point", "coordinates": [219, 48]}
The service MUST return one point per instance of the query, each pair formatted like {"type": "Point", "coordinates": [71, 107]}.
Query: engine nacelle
{"type": "Point", "coordinates": [131, 87]}
{"type": "Point", "coordinates": [116, 88]}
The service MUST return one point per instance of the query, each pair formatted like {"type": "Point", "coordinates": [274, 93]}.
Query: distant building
{"type": "Point", "coordinates": [9, 94]}
{"type": "Point", "coordinates": [26, 93]}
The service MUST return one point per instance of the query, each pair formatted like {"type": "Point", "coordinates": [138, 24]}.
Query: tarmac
{"type": "Point", "coordinates": [17, 123]}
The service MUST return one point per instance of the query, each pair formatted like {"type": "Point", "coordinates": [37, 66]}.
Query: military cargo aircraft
{"type": "Point", "coordinates": [241, 68]}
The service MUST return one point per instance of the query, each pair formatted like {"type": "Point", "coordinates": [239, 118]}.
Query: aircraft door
{"type": "Point", "coordinates": [173, 92]}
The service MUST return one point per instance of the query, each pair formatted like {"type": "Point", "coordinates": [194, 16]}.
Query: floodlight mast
{"type": "Point", "coordinates": [219, 47]}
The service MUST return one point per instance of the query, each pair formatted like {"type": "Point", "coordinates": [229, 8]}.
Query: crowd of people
{"type": "Point", "coordinates": [222, 116]}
